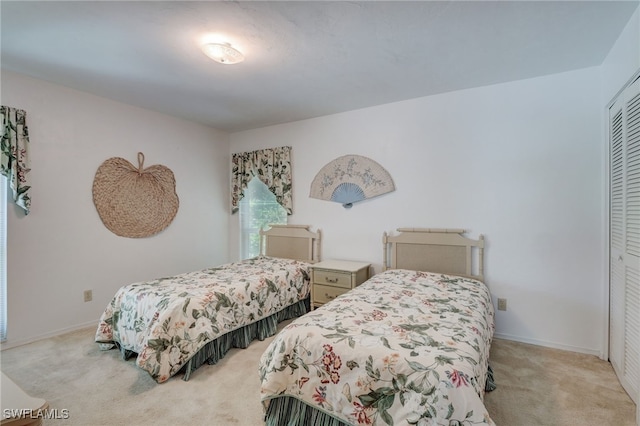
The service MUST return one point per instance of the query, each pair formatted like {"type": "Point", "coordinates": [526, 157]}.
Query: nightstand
{"type": "Point", "coordinates": [331, 278]}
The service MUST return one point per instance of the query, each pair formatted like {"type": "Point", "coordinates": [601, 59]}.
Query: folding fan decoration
{"type": "Point", "coordinates": [349, 179]}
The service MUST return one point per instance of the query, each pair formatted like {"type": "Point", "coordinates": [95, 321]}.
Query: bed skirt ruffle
{"type": "Point", "coordinates": [289, 411]}
{"type": "Point", "coordinates": [215, 350]}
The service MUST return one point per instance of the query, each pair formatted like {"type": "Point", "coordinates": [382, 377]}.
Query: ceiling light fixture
{"type": "Point", "coordinates": [223, 53]}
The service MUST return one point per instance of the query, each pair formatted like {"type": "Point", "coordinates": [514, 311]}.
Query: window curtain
{"type": "Point", "coordinates": [272, 166]}
{"type": "Point", "coordinates": [14, 154]}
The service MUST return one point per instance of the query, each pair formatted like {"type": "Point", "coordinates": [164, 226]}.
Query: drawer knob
{"type": "Point", "coordinates": [328, 296]}
{"type": "Point", "coordinates": [331, 280]}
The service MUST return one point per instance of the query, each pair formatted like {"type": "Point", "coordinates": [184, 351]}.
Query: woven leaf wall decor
{"type": "Point", "coordinates": [133, 201]}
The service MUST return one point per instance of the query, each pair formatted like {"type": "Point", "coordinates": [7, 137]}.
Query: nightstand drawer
{"type": "Point", "coordinates": [324, 293]}
{"type": "Point", "coordinates": [332, 278]}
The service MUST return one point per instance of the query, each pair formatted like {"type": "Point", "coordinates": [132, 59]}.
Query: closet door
{"type": "Point", "coordinates": [624, 323]}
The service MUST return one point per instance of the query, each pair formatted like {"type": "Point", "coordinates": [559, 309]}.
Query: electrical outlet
{"type": "Point", "coordinates": [88, 295]}
{"type": "Point", "coordinates": [502, 304]}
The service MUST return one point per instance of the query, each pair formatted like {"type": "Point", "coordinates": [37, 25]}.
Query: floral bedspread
{"type": "Point", "coordinates": [167, 320]}
{"type": "Point", "coordinates": [405, 347]}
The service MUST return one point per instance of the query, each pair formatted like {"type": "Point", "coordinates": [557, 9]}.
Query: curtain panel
{"type": "Point", "coordinates": [272, 166]}
{"type": "Point", "coordinates": [14, 154]}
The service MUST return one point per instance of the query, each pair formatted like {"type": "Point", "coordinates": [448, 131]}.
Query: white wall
{"type": "Point", "coordinates": [62, 248]}
{"type": "Point", "coordinates": [623, 59]}
{"type": "Point", "coordinates": [517, 162]}
{"type": "Point", "coordinates": [522, 163]}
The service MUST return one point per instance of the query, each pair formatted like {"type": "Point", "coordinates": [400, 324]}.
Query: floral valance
{"type": "Point", "coordinates": [14, 154]}
{"type": "Point", "coordinates": [272, 166]}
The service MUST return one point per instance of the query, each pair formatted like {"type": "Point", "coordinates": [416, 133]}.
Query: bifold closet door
{"type": "Point", "coordinates": [624, 315]}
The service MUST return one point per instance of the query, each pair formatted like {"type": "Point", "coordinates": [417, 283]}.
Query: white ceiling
{"type": "Point", "coordinates": [303, 58]}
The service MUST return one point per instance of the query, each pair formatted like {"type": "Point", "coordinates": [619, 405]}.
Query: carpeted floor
{"type": "Point", "coordinates": [544, 386]}
{"type": "Point", "coordinates": [536, 386]}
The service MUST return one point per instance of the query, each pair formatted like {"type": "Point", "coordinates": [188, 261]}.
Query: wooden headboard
{"type": "Point", "coordinates": [291, 242]}
{"type": "Point", "coordinates": [444, 251]}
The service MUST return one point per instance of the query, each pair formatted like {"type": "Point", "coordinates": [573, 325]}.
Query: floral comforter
{"type": "Point", "coordinates": [167, 320]}
{"type": "Point", "coordinates": [405, 347]}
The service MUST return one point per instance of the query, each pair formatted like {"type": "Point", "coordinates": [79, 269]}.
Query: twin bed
{"type": "Point", "coordinates": [176, 324]}
{"type": "Point", "coordinates": [408, 346]}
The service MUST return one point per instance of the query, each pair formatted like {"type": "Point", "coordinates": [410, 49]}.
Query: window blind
{"type": "Point", "coordinates": [3, 258]}
{"type": "Point", "coordinates": [258, 209]}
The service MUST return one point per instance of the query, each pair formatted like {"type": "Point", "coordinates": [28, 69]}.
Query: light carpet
{"type": "Point", "coordinates": [536, 386]}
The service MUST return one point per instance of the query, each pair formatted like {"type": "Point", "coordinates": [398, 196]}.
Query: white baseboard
{"type": "Point", "coordinates": [548, 344]}
{"type": "Point", "coordinates": [9, 343]}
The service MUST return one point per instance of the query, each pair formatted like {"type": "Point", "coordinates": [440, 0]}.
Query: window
{"type": "Point", "coordinates": [3, 258]}
{"type": "Point", "coordinates": [258, 208]}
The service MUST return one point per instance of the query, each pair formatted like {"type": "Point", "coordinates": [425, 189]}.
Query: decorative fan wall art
{"type": "Point", "coordinates": [349, 179]}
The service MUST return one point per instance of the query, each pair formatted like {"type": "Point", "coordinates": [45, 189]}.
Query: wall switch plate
{"type": "Point", "coordinates": [502, 304]}
{"type": "Point", "coordinates": [88, 295]}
